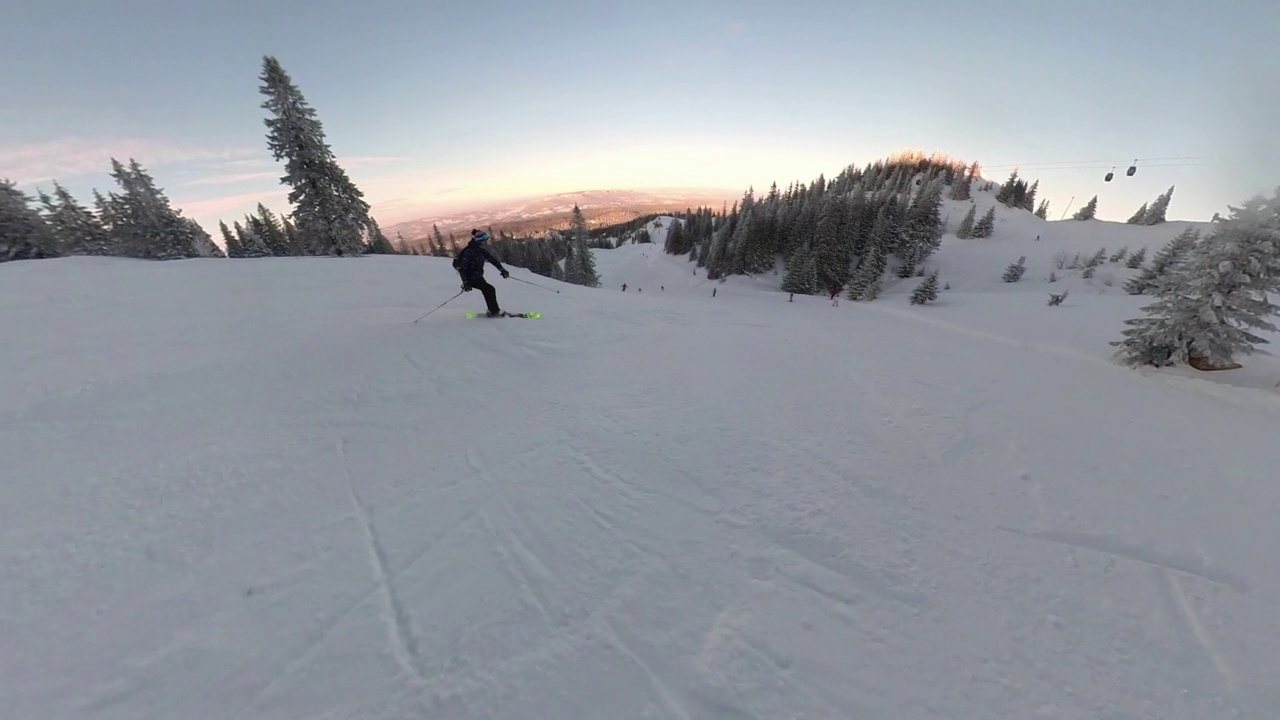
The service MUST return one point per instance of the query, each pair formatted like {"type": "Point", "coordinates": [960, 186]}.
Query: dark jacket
{"type": "Point", "coordinates": [470, 261]}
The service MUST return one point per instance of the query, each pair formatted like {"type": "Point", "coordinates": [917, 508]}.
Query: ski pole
{"type": "Point", "coordinates": [526, 282]}
{"type": "Point", "coordinates": [446, 302]}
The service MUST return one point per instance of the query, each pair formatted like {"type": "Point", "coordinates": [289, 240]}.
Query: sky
{"type": "Point", "coordinates": [434, 106]}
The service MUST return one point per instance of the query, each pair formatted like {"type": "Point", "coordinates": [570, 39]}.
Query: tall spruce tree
{"type": "Point", "coordinates": [580, 263]}
{"type": "Point", "coordinates": [1138, 217]}
{"type": "Point", "coordinates": [141, 221]}
{"type": "Point", "coordinates": [1088, 211]}
{"type": "Point", "coordinates": [926, 291]}
{"type": "Point", "coordinates": [24, 235]}
{"type": "Point", "coordinates": [1156, 212]}
{"type": "Point", "coordinates": [1165, 259]}
{"type": "Point", "coordinates": [965, 231]}
{"type": "Point", "coordinates": [379, 243]}
{"type": "Point", "coordinates": [78, 231]}
{"type": "Point", "coordinates": [986, 225]}
{"type": "Point", "coordinates": [1210, 302]}
{"type": "Point", "coordinates": [329, 210]}
{"type": "Point", "coordinates": [802, 272]}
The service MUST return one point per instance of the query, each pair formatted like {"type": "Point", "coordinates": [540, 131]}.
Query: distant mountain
{"type": "Point", "coordinates": [537, 215]}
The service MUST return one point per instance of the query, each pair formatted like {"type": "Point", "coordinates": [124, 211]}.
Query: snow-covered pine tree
{"type": "Point", "coordinates": [271, 232]}
{"type": "Point", "coordinates": [926, 291]}
{"type": "Point", "coordinates": [580, 265]}
{"type": "Point", "coordinates": [922, 231]}
{"type": "Point", "coordinates": [865, 284]}
{"type": "Point", "coordinates": [1136, 259]}
{"type": "Point", "coordinates": [249, 242]}
{"type": "Point", "coordinates": [329, 210]}
{"type": "Point", "coordinates": [965, 231]}
{"type": "Point", "coordinates": [378, 242]}
{"type": "Point", "coordinates": [1166, 257]}
{"type": "Point", "coordinates": [1156, 212]}
{"type": "Point", "coordinates": [202, 243]}
{"type": "Point", "coordinates": [1007, 191]}
{"type": "Point", "coordinates": [1014, 272]}
{"type": "Point", "coordinates": [1210, 302]}
{"type": "Point", "coordinates": [230, 242]}
{"type": "Point", "coordinates": [961, 187]}
{"type": "Point", "coordinates": [986, 225]}
{"type": "Point", "coordinates": [78, 231]}
{"type": "Point", "coordinates": [1029, 200]}
{"type": "Point", "coordinates": [24, 235]}
{"type": "Point", "coordinates": [1097, 258]}
{"type": "Point", "coordinates": [802, 273]}
{"type": "Point", "coordinates": [1118, 255]}
{"type": "Point", "coordinates": [1138, 217]}
{"type": "Point", "coordinates": [1042, 210]}
{"type": "Point", "coordinates": [1088, 211]}
{"type": "Point", "coordinates": [831, 255]}
{"type": "Point", "coordinates": [141, 220]}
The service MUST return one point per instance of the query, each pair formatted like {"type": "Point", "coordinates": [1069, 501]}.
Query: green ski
{"type": "Point", "coordinates": [530, 315]}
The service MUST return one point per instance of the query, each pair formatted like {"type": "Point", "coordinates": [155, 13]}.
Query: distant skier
{"type": "Point", "coordinates": [835, 296]}
{"type": "Point", "coordinates": [470, 266]}
{"type": "Point", "coordinates": [624, 287]}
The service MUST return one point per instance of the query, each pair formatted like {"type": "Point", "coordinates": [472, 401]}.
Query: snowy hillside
{"type": "Point", "coordinates": [255, 489]}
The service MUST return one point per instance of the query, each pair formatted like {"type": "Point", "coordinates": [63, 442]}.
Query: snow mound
{"type": "Point", "coordinates": [254, 488]}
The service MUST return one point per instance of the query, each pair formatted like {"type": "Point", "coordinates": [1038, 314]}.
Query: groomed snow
{"type": "Point", "coordinates": [254, 489]}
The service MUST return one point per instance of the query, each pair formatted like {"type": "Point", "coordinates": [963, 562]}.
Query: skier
{"type": "Point", "coordinates": [470, 266]}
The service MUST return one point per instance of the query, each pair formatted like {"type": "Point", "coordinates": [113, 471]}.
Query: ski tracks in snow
{"type": "Point", "coordinates": [533, 576]}
{"type": "Point", "coordinates": [403, 643]}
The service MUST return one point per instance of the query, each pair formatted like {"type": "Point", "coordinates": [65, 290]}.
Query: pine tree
{"type": "Point", "coordinates": [1088, 211]}
{"type": "Point", "coordinates": [1118, 255]}
{"type": "Point", "coordinates": [865, 284]}
{"type": "Point", "coordinates": [922, 231]}
{"type": "Point", "coordinates": [965, 231]}
{"type": "Point", "coordinates": [271, 232]}
{"type": "Point", "coordinates": [24, 235]}
{"type": "Point", "coordinates": [926, 291]}
{"type": "Point", "coordinates": [1136, 259]}
{"type": "Point", "coordinates": [1210, 302]}
{"type": "Point", "coordinates": [331, 213]}
{"type": "Point", "coordinates": [1138, 217]}
{"type": "Point", "coordinates": [141, 221]}
{"type": "Point", "coordinates": [78, 231]}
{"type": "Point", "coordinates": [986, 225]}
{"type": "Point", "coordinates": [378, 243]}
{"type": "Point", "coordinates": [201, 242]}
{"type": "Point", "coordinates": [1155, 214]}
{"type": "Point", "coordinates": [961, 188]}
{"type": "Point", "coordinates": [580, 263]}
{"type": "Point", "coordinates": [1042, 211]}
{"type": "Point", "coordinates": [230, 242]}
{"type": "Point", "coordinates": [1006, 195]}
{"type": "Point", "coordinates": [1166, 258]}
{"type": "Point", "coordinates": [802, 272]}
{"type": "Point", "coordinates": [250, 243]}
{"type": "Point", "coordinates": [1014, 272]}
{"type": "Point", "coordinates": [1028, 202]}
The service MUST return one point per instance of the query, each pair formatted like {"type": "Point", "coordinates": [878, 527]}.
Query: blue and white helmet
{"type": "Point", "coordinates": [479, 236]}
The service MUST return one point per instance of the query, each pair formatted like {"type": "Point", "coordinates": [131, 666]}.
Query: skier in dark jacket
{"type": "Point", "coordinates": [470, 266]}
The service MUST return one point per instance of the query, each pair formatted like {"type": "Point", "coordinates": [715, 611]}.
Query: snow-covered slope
{"type": "Point", "coordinates": [254, 489]}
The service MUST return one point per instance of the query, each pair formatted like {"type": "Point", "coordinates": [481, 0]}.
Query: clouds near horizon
{"type": "Point", "coordinates": [433, 106]}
